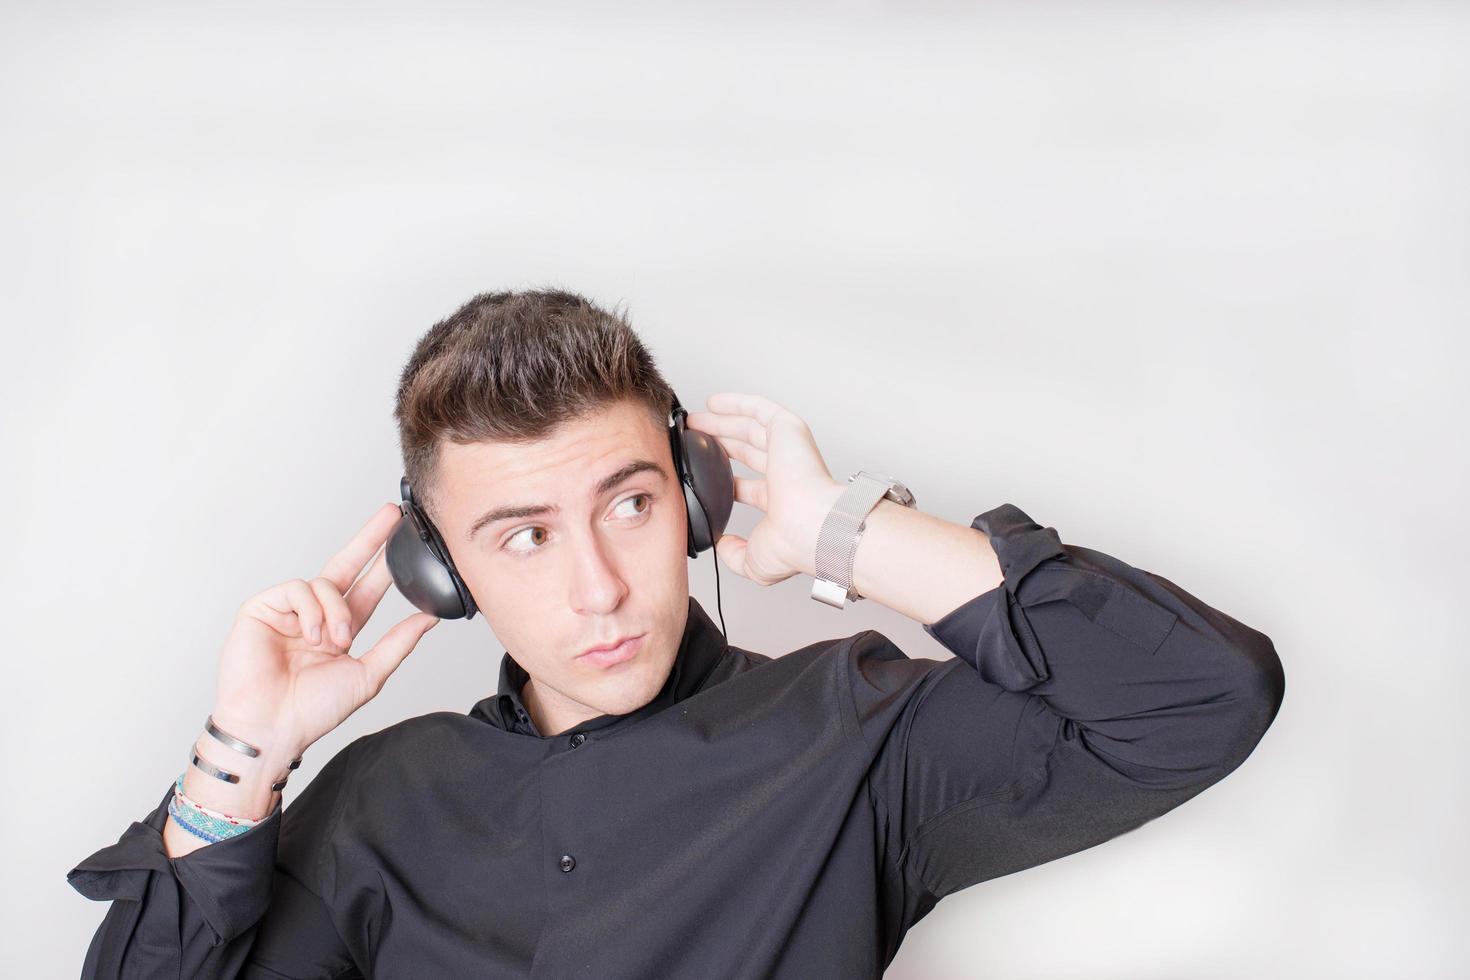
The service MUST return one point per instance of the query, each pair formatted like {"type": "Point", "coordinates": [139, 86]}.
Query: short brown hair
{"type": "Point", "coordinates": [513, 366]}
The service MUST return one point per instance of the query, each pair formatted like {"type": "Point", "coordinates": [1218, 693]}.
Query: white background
{"type": "Point", "coordinates": [1186, 282]}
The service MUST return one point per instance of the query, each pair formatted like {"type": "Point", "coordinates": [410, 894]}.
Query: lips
{"type": "Point", "coordinates": [606, 646]}
{"type": "Point", "coordinates": [618, 652]}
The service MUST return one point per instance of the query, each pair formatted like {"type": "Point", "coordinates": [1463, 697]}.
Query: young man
{"type": "Point", "coordinates": [675, 807]}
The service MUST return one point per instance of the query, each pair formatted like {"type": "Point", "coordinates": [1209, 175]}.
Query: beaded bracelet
{"type": "Point", "coordinates": [204, 823]}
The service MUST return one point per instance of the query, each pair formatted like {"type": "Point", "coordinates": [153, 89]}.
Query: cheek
{"type": "Point", "coordinates": [673, 515]}
{"type": "Point", "coordinates": [504, 595]}
{"type": "Point", "coordinates": [673, 536]}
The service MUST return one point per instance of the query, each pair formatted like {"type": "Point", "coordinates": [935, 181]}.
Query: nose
{"type": "Point", "coordinates": [597, 585]}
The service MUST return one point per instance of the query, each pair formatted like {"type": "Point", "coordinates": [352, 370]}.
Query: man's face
{"type": "Point", "coordinates": [602, 564]}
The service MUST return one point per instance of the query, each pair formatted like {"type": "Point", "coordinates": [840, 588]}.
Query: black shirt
{"type": "Point", "coordinates": [787, 817]}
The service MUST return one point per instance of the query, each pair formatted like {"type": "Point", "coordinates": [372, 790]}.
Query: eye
{"type": "Point", "coordinates": [647, 502]}
{"type": "Point", "coordinates": [636, 514]}
{"type": "Point", "coordinates": [524, 531]}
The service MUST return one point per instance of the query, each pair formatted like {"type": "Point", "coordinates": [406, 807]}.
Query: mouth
{"type": "Point", "coordinates": [607, 656]}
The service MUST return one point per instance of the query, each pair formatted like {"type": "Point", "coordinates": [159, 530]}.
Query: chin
{"type": "Point", "coordinates": [616, 691]}
{"type": "Point", "coordinates": [623, 695]}
{"type": "Point", "coordinates": [626, 700]}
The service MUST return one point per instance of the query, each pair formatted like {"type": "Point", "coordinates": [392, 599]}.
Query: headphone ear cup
{"type": "Point", "coordinates": [420, 574]}
{"type": "Point", "coordinates": [441, 550]}
{"type": "Point", "coordinates": [711, 496]}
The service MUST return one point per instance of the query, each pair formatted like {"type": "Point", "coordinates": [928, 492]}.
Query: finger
{"type": "Point", "coordinates": [338, 616]}
{"type": "Point", "coordinates": [383, 659]}
{"type": "Point", "coordinates": [284, 623]}
{"type": "Point", "coordinates": [296, 597]}
{"type": "Point", "coordinates": [730, 549]}
{"type": "Point", "coordinates": [755, 458]}
{"type": "Point", "coordinates": [763, 410]}
{"type": "Point", "coordinates": [343, 568]}
{"type": "Point", "coordinates": [752, 491]}
{"type": "Point", "coordinates": [367, 591]}
{"type": "Point", "coordinates": [735, 426]}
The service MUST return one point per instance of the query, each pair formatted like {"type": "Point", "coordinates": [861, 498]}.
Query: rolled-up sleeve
{"type": "Point", "coordinates": [246, 906]}
{"type": "Point", "coordinates": [1086, 698]}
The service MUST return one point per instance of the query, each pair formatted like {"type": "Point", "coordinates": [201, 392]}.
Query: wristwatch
{"type": "Point", "coordinates": [837, 541]}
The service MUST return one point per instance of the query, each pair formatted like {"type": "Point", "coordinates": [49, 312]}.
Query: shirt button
{"type": "Point", "coordinates": [577, 739]}
{"type": "Point", "coordinates": [568, 862]}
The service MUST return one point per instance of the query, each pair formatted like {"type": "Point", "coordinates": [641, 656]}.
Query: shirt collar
{"type": "Point", "coordinates": [700, 649]}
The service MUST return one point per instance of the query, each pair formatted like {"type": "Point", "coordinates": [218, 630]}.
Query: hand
{"type": "Point", "coordinates": [795, 495]}
{"type": "Point", "coordinates": [285, 675]}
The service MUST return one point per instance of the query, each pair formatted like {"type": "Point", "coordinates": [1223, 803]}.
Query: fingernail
{"type": "Point", "coordinates": [341, 631]}
{"type": "Point", "coordinates": [316, 634]}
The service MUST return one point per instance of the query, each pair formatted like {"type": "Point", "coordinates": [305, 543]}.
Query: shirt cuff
{"type": "Point", "coordinates": [987, 631]}
{"type": "Point", "coordinates": [230, 881]}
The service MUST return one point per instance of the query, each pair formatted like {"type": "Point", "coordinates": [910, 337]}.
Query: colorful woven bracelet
{"type": "Point", "coordinates": [202, 822]}
{"type": "Point", "coordinates": [180, 814]}
{"type": "Point", "coordinates": [179, 791]}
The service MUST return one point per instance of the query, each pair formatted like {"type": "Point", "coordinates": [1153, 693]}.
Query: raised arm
{"type": "Point", "coordinates": [1087, 697]}
{"type": "Point", "coordinates": [191, 881]}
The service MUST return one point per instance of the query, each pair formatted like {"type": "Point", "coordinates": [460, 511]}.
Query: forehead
{"type": "Point", "coordinates": [569, 461]}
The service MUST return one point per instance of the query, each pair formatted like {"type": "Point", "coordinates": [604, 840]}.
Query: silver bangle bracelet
{"type": "Point", "coordinates": [204, 765]}
{"type": "Point", "coordinates": [238, 744]}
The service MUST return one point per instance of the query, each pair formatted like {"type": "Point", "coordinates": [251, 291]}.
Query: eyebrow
{"type": "Point", "coordinates": [532, 510]}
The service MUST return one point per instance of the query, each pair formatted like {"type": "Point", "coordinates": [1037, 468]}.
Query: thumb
{"type": "Point", "coordinates": [730, 549]}
{"type": "Point", "coordinates": [383, 659]}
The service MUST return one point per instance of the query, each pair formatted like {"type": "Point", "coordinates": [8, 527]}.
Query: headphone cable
{"type": "Point", "coordinates": [714, 556]}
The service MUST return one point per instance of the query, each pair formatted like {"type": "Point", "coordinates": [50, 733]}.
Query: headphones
{"type": "Point", "coordinates": [424, 572]}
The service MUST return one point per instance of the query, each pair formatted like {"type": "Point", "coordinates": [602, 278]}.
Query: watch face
{"type": "Point", "coordinates": [897, 492]}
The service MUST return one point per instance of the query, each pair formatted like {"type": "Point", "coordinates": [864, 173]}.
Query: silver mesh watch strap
{"type": "Point", "coordinates": [837, 541]}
